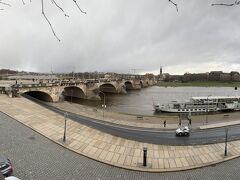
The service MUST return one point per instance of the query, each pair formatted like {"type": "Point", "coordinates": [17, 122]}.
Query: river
{"type": "Point", "coordinates": [141, 101]}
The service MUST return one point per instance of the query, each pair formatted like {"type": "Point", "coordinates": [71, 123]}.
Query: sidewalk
{"type": "Point", "coordinates": [210, 126]}
{"type": "Point", "coordinates": [118, 118]}
{"type": "Point", "coordinates": [154, 122]}
{"type": "Point", "coordinates": [110, 149]}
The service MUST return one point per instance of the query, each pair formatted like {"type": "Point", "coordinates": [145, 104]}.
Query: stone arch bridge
{"type": "Point", "coordinates": [89, 89]}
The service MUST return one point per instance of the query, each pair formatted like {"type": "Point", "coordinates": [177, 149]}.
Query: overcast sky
{"type": "Point", "coordinates": [120, 35]}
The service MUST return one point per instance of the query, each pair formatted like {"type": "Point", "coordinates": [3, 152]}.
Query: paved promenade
{"type": "Point", "coordinates": [172, 122]}
{"type": "Point", "coordinates": [110, 149]}
{"type": "Point", "coordinates": [35, 157]}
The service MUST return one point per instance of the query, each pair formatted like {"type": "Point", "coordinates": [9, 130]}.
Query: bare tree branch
{"type": "Point", "coordinates": [43, 13]}
{"type": "Point", "coordinates": [5, 3]}
{"type": "Point", "coordinates": [54, 2]}
{"type": "Point", "coordinates": [222, 4]}
{"type": "Point", "coordinates": [237, 2]}
{"type": "Point", "coordinates": [175, 4]}
{"type": "Point", "coordinates": [79, 7]}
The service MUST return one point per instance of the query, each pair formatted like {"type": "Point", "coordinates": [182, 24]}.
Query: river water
{"type": "Point", "coordinates": [141, 101]}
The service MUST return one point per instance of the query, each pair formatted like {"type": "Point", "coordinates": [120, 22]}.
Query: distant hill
{"type": "Point", "coordinates": [7, 71]}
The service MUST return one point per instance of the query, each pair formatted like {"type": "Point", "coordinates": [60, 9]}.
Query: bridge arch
{"type": "Point", "coordinates": [128, 85]}
{"type": "Point", "coordinates": [108, 88]}
{"type": "Point", "coordinates": [39, 95]}
{"type": "Point", "coordinates": [73, 91]}
{"type": "Point", "coordinates": [144, 83]}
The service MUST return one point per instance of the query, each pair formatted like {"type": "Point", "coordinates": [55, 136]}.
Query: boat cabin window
{"type": "Point", "coordinates": [176, 106]}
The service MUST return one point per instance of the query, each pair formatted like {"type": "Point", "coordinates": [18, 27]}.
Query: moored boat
{"type": "Point", "coordinates": [201, 104]}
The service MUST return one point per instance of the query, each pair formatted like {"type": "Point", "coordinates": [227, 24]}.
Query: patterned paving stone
{"type": "Point", "coordinates": [130, 152]}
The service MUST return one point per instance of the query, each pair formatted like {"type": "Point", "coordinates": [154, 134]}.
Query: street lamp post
{"type": "Point", "coordinates": [207, 110]}
{"type": "Point", "coordinates": [144, 156]}
{"type": "Point", "coordinates": [65, 126]}
{"type": "Point", "coordinates": [104, 102]}
{"type": "Point", "coordinates": [226, 140]}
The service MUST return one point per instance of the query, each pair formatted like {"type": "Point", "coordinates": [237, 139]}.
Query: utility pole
{"type": "Point", "coordinates": [134, 71]}
{"type": "Point", "coordinates": [51, 73]}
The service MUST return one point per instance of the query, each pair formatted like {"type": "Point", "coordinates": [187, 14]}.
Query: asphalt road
{"type": "Point", "coordinates": [162, 137]}
{"type": "Point", "coordinates": [35, 157]}
{"type": "Point", "coordinates": [155, 136]}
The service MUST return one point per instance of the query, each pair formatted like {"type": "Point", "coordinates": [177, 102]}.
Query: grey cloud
{"type": "Point", "coordinates": [119, 35]}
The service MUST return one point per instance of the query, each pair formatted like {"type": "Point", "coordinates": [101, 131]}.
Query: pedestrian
{"type": "Point", "coordinates": [190, 122]}
{"type": "Point", "coordinates": [164, 123]}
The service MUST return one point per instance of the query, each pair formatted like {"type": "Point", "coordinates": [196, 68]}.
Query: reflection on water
{"type": "Point", "coordinates": [141, 101]}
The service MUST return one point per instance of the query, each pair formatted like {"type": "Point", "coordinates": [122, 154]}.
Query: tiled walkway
{"type": "Point", "coordinates": [110, 149]}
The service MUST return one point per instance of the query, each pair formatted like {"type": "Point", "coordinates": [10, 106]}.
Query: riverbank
{"type": "Point", "coordinates": [199, 84]}
{"type": "Point", "coordinates": [154, 121]}
{"type": "Point", "coordinates": [111, 149]}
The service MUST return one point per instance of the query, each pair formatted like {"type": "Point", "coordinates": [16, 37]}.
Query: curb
{"type": "Point", "coordinates": [128, 167]}
{"type": "Point", "coordinates": [219, 125]}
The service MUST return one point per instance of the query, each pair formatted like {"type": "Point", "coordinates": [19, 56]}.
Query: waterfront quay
{"type": "Point", "coordinates": [36, 157]}
{"type": "Point", "coordinates": [112, 150]}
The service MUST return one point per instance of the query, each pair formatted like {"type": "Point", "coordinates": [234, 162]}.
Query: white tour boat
{"type": "Point", "coordinates": [201, 104]}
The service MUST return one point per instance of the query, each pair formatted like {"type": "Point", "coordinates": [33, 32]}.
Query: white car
{"type": "Point", "coordinates": [183, 131]}
{"type": "Point", "coordinates": [12, 178]}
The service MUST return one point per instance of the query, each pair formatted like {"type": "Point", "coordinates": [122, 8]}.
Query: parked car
{"type": "Point", "coordinates": [183, 131]}
{"type": "Point", "coordinates": [5, 166]}
{"type": "Point", "coordinates": [12, 178]}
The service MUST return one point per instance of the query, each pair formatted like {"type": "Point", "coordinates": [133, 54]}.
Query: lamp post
{"type": "Point", "coordinates": [207, 109]}
{"type": "Point", "coordinates": [226, 140]}
{"type": "Point", "coordinates": [104, 102]}
{"type": "Point", "coordinates": [144, 156]}
{"type": "Point", "coordinates": [65, 126]}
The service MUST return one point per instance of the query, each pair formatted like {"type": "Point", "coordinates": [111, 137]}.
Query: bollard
{"type": "Point", "coordinates": [144, 156]}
